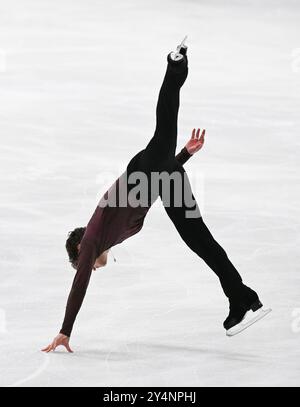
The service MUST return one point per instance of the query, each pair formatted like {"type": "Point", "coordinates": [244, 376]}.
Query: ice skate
{"type": "Point", "coordinates": [182, 48]}
{"type": "Point", "coordinates": [240, 318]}
{"type": "Point", "coordinates": [180, 52]}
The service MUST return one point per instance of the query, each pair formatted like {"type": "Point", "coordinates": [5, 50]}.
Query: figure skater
{"type": "Point", "coordinates": [113, 222]}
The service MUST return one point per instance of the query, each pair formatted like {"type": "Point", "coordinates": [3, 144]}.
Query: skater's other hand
{"type": "Point", "coordinates": [196, 141]}
{"type": "Point", "coordinates": [60, 340]}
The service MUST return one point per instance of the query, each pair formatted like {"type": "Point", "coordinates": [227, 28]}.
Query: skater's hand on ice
{"type": "Point", "coordinates": [196, 141]}
{"type": "Point", "coordinates": [60, 340]}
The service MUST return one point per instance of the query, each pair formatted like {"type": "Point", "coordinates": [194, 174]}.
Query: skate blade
{"type": "Point", "coordinates": [183, 42]}
{"type": "Point", "coordinates": [249, 319]}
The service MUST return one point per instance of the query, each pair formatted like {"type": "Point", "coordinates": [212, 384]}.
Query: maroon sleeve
{"type": "Point", "coordinates": [81, 280]}
{"type": "Point", "coordinates": [183, 156]}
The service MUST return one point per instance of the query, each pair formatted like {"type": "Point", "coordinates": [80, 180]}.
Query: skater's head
{"type": "Point", "coordinates": [73, 244]}
{"type": "Point", "coordinates": [73, 247]}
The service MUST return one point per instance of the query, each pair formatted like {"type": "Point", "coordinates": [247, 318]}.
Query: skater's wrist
{"type": "Point", "coordinates": [187, 150]}
{"type": "Point", "coordinates": [183, 156]}
{"type": "Point", "coordinates": [67, 334]}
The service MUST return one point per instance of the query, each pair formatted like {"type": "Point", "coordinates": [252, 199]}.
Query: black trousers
{"type": "Point", "coordinates": [159, 155]}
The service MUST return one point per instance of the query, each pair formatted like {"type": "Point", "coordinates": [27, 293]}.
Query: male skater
{"type": "Point", "coordinates": [113, 222]}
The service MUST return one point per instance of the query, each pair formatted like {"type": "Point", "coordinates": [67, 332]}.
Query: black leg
{"type": "Point", "coordinates": [197, 236]}
{"type": "Point", "coordinates": [162, 146]}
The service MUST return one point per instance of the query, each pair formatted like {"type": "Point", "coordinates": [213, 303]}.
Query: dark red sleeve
{"type": "Point", "coordinates": [81, 280]}
{"type": "Point", "coordinates": [183, 156]}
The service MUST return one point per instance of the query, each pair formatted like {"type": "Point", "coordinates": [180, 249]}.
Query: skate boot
{"type": "Point", "coordinates": [244, 314]}
{"type": "Point", "coordinates": [180, 52]}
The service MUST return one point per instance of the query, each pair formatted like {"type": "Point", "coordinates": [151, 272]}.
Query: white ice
{"type": "Point", "coordinates": [79, 83]}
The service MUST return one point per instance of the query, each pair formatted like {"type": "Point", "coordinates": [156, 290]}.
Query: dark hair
{"type": "Point", "coordinates": [74, 238]}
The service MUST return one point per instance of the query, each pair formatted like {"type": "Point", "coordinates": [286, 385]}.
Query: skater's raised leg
{"type": "Point", "coordinates": [162, 146]}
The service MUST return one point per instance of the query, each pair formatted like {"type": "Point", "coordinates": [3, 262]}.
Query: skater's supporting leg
{"type": "Point", "coordinates": [162, 146]}
{"type": "Point", "coordinates": [196, 235]}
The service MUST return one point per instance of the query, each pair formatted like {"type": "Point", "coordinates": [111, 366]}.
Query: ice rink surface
{"type": "Point", "coordinates": [79, 83]}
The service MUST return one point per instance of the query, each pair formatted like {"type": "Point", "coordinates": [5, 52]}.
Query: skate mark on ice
{"type": "Point", "coordinates": [35, 374]}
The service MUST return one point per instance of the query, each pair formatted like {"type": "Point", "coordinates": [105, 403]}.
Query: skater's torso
{"type": "Point", "coordinates": [115, 218]}
{"type": "Point", "coordinates": [111, 225]}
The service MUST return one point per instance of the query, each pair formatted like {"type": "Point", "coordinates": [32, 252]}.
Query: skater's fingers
{"type": "Point", "coordinates": [49, 349]}
{"type": "Point", "coordinates": [198, 132]}
{"type": "Point", "coordinates": [193, 134]}
{"type": "Point", "coordinates": [68, 348]}
{"type": "Point", "coordinates": [202, 136]}
{"type": "Point", "coordinates": [45, 349]}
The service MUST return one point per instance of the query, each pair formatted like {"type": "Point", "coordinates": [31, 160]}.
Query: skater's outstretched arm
{"type": "Point", "coordinates": [193, 145]}
{"type": "Point", "coordinates": [86, 263]}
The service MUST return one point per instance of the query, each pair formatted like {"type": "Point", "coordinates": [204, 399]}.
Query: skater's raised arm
{"type": "Point", "coordinates": [193, 145]}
